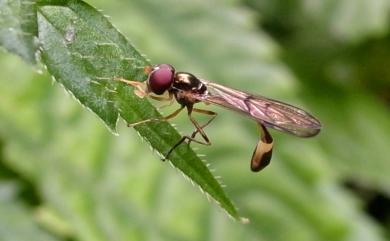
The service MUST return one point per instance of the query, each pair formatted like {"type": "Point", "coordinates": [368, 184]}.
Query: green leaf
{"type": "Point", "coordinates": [84, 52]}
{"type": "Point", "coordinates": [18, 27]}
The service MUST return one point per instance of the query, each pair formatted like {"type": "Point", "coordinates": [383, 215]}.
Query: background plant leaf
{"type": "Point", "coordinates": [18, 27]}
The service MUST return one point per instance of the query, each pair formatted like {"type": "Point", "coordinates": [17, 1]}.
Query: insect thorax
{"type": "Point", "coordinates": [186, 86]}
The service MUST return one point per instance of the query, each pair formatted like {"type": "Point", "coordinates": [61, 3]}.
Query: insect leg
{"type": "Point", "coordinates": [164, 118]}
{"type": "Point", "coordinates": [196, 124]}
{"type": "Point", "coordinates": [263, 152]}
{"type": "Point", "coordinates": [206, 112]}
{"type": "Point", "coordinates": [181, 141]}
{"type": "Point", "coordinates": [141, 88]}
{"type": "Point", "coordinates": [199, 129]}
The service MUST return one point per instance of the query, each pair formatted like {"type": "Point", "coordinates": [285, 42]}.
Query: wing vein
{"type": "Point", "coordinates": [272, 113]}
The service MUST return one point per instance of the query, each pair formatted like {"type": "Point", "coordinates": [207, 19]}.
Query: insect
{"type": "Point", "coordinates": [188, 90]}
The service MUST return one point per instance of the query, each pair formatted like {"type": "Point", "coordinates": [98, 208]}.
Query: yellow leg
{"type": "Point", "coordinates": [199, 129]}
{"type": "Point", "coordinates": [141, 88]}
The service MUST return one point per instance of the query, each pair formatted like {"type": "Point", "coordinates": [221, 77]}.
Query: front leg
{"type": "Point", "coordinates": [141, 89]}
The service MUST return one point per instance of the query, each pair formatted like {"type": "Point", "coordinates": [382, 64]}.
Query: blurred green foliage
{"type": "Point", "coordinates": [64, 176]}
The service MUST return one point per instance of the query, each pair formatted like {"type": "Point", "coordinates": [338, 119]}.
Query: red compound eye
{"type": "Point", "coordinates": [161, 78]}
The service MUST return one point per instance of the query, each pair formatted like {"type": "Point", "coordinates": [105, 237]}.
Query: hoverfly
{"type": "Point", "coordinates": [188, 90]}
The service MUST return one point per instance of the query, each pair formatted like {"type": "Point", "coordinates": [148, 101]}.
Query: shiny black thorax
{"type": "Point", "coordinates": [185, 87]}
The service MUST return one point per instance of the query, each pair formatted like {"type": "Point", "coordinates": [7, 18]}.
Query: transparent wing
{"type": "Point", "coordinates": [271, 113]}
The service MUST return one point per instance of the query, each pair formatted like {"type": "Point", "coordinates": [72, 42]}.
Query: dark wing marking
{"type": "Point", "coordinates": [270, 113]}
